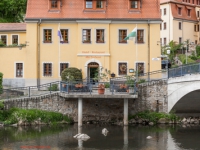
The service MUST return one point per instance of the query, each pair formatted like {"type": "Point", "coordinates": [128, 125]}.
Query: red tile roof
{"type": "Point", "coordinates": [74, 9]}
{"type": "Point", "coordinates": [12, 26]}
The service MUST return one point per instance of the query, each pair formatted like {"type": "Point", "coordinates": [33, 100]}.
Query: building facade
{"type": "Point", "coordinates": [93, 35]}
{"type": "Point", "coordinates": [180, 21]}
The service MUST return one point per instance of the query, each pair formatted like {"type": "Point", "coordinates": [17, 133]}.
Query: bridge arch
{"type": "Point", "coordinates": [179, 88]}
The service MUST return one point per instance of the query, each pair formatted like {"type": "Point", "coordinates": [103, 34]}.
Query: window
{"type": "Point", "coordinates": [88, 4]}
{"type": "Point", "coordinates": [86, 36]}
{"type": "Point", "coordinates": [180, 40]}
{"type": "Point", "coordinates": [140, 36]}
{"type": "Point", "coordinates": [54, 3]}
{"type": "Point", "coordinates": [195, 28]}
{"type": "Point", "coordinates": [198, 14]}
{"type": "Point", "coordinates": [195, 41]}
{"type": "Point", "coordinates": [134, 4]}
{"type": "Point", "coordinates": [192, 1]}
{"type": "Point", "coordinates": [161, 26]}
{"type": "Point", "coordinates": [122, 68]}
{"type": "Point", "coordinates": [63, 66]}
{"type": "Point", "coordinates": [140, 68]}
{"type": "Point", "coordinates": [179, 26]}
{"type": "Point", "coordinates": [165, 25]}
{"type": "Point", "coordinates": [100, 36]}
{"type": "Point", "coordinates": [165, 11]}
{"type": "Point", "coordinates": [47, 70]}
{"type": "Point", "coordinates": [15, 39]}
{"type": "Point", "coordinates": [161, 41]}
{"type": "Point", "coordinates": [188, 12]}
{"type": "Point", "coordinates": [165, 41]}
{"type": "Point", "coordinates": [47, 36]}
{"type": "Point", "coordinates": [19, 70]}
{"type": "Point", "coordinates": [4, 39]}
{"type": "Point", "coordinates": [179, 11]}
{"type": "Point", "coordinates": [64, 33]}
{"type": "Point", "coordinates": [99, 4]}
{"type": "Point", "coordinates": [122, 35]}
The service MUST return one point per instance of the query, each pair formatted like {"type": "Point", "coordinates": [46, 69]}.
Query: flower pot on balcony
{"type": "Point", "coordinates": [101, 91]}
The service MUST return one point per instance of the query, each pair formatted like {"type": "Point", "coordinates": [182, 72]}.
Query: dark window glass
{"type": "Point", "coordinates": [63, 66]}
{"type": "Point", "coordinates": [134, 4]}
{"type": "Point", "coordinates": [88, 4]}
{"type": "Point", "coordinates": [122, 68]}
{"type": "Point", "coordinates": [99, 4]}
{"type": "Point", "coordinates": [122, 35]}
{"type": "Point", "coordinates": [100, 36]}
{"type": "Point", "coordinates": [47, 70]}
{"type": "Point", "coordinates": [140, 36]}
{"type": "Point", "coordinates": [140, 68]}
{"type": "Point", "coordinates": [64, 33]}
{"type": "Point", "coordinates": [19, 70]}
{"type": "Point", "coordinates": [86, 36]}
{"type": "Point", "coordinates": [4, 39]}
{"type": "Point", "coordinates": [47, 35]}
{"type": "Point", "coordinates": [15, 39]}
{"type": "Point", "coordinates": [54, 3]}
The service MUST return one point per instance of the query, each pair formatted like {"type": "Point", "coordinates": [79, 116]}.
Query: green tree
{"type": "Point", "coordinates": [173, 47]}
{"type": "Point", "coordinates": [198, 50]}
{"type": "Point", "coordinates": [12, 10]}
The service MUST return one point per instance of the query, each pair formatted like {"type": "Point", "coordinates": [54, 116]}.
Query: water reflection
{"type": "Point", "coordinates": [164, 137]}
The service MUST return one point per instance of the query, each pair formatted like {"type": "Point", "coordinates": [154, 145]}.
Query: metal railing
{"type": "Point", "coordinates": [184, 70]}
{"type": "Point", "coordinates": [75, 87]}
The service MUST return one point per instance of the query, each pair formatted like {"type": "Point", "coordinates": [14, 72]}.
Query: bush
{"type": "Point", "coordinates": [1, 44]}
{"type": "Point", "coordinates": [1, 105]}
{"type": "Point", "coordinates": [1, 80]}
{"type": "Point", "coordinates": [71, 74]}
{"type": "Point", "coordinates": [54, 87]}
{"type": "Point", "coordinates": [198, 51]}
{"type": "Point", "coordinates": [15, 114]}
{"type": "Point", "coordinates": [107, 85]}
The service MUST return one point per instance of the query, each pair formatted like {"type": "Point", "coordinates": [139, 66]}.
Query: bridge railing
{"type": "Point", "coordinates": [184, 70]}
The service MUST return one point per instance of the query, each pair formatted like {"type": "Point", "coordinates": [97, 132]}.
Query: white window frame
{"type": "Point", "coordinates": [15, 65]}
{"type": "Point", "coordinates": [82, 35]}
{"type": "Point", "coordinates": [60, 68]}
{"type": "Point", "coordinates": [105, 38]}
{"type": "Point", "coordinates": [140, 62]}
{"type": "Point", "coordinates": [143, 36]}
{"type": "Point", "coordinates": [6, 38]}
{"type": "Point", "coordinates": [118, 68]}
{"type": "Point", "coordinates": [118, 36]}
{"type": "Point", "coordinates": [12, 39]}
{"type": "Point", "coordinates": [68, 35]}
{"type": "Point", "coordinates": [42, 38]}
{"type": "Point", "coordinates": [43, 69]}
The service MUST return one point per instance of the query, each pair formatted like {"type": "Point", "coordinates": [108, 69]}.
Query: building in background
{"type": "Point", "coordinates": [180, 21]}
{"type": "Point", "coordinates": [93, 35]}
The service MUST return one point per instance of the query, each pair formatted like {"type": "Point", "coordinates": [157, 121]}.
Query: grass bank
{"type": "Point", "coordinates": [16, 115]}
{"type": "Point", "coordinates": [154, 116]}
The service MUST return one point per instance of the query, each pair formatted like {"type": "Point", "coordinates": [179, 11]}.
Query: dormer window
{"type": "Point", "coordinates": [134, 4]}
{"type": "Point", "coordinates": [94, 5]}
{"type": "Point", "coordinates": [89, 4]}
{"type": "Point", "coordinates": [54, 4]}
{"type": "Point", "coordinates": [99, 4]}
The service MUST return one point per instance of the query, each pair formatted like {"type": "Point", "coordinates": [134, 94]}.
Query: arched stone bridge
{"type": "Point", "coordinates": [184, 94]}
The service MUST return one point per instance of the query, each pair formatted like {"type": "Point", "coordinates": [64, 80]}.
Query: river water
{"type": "Point", "coordinates": [60, 137]}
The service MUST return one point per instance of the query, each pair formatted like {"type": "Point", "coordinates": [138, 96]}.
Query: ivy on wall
{"type": "Point", "coordinates": [1, 80]}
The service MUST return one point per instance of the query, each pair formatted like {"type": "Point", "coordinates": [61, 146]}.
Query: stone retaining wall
{"type": "Point", "coordinates": [95, 109]}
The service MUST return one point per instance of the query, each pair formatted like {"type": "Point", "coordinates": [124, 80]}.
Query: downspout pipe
{"type": "Point", "coordinates": [148, 50]}
{"type": "Point", "coordinates": [38, 54]}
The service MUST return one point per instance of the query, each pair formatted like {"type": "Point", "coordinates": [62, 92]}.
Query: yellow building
{"type": "Point", "coordinates": [93, 35]}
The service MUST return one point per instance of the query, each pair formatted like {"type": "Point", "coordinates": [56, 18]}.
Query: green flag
{"type": "Point", "coordinates": [132, 34]}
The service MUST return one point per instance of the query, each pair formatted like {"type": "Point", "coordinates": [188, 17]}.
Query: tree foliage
{"type": "Point", "coordinates": [12, 10]}
{"type": "Point", "coordinates": [71, 74]}
{"type": "Point", "coordinates": [1, 80]}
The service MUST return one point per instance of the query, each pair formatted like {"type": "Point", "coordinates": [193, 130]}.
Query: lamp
{"type": "Point", "coordinates": [23, 45]}
{"type": "Point", "coordinates": [112, 75]}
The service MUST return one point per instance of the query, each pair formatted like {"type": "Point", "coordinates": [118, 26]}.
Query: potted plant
{"type": "Point", "coordinates": [130, 81]}
{"type": "Point", "coordinates": [102, 76]}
